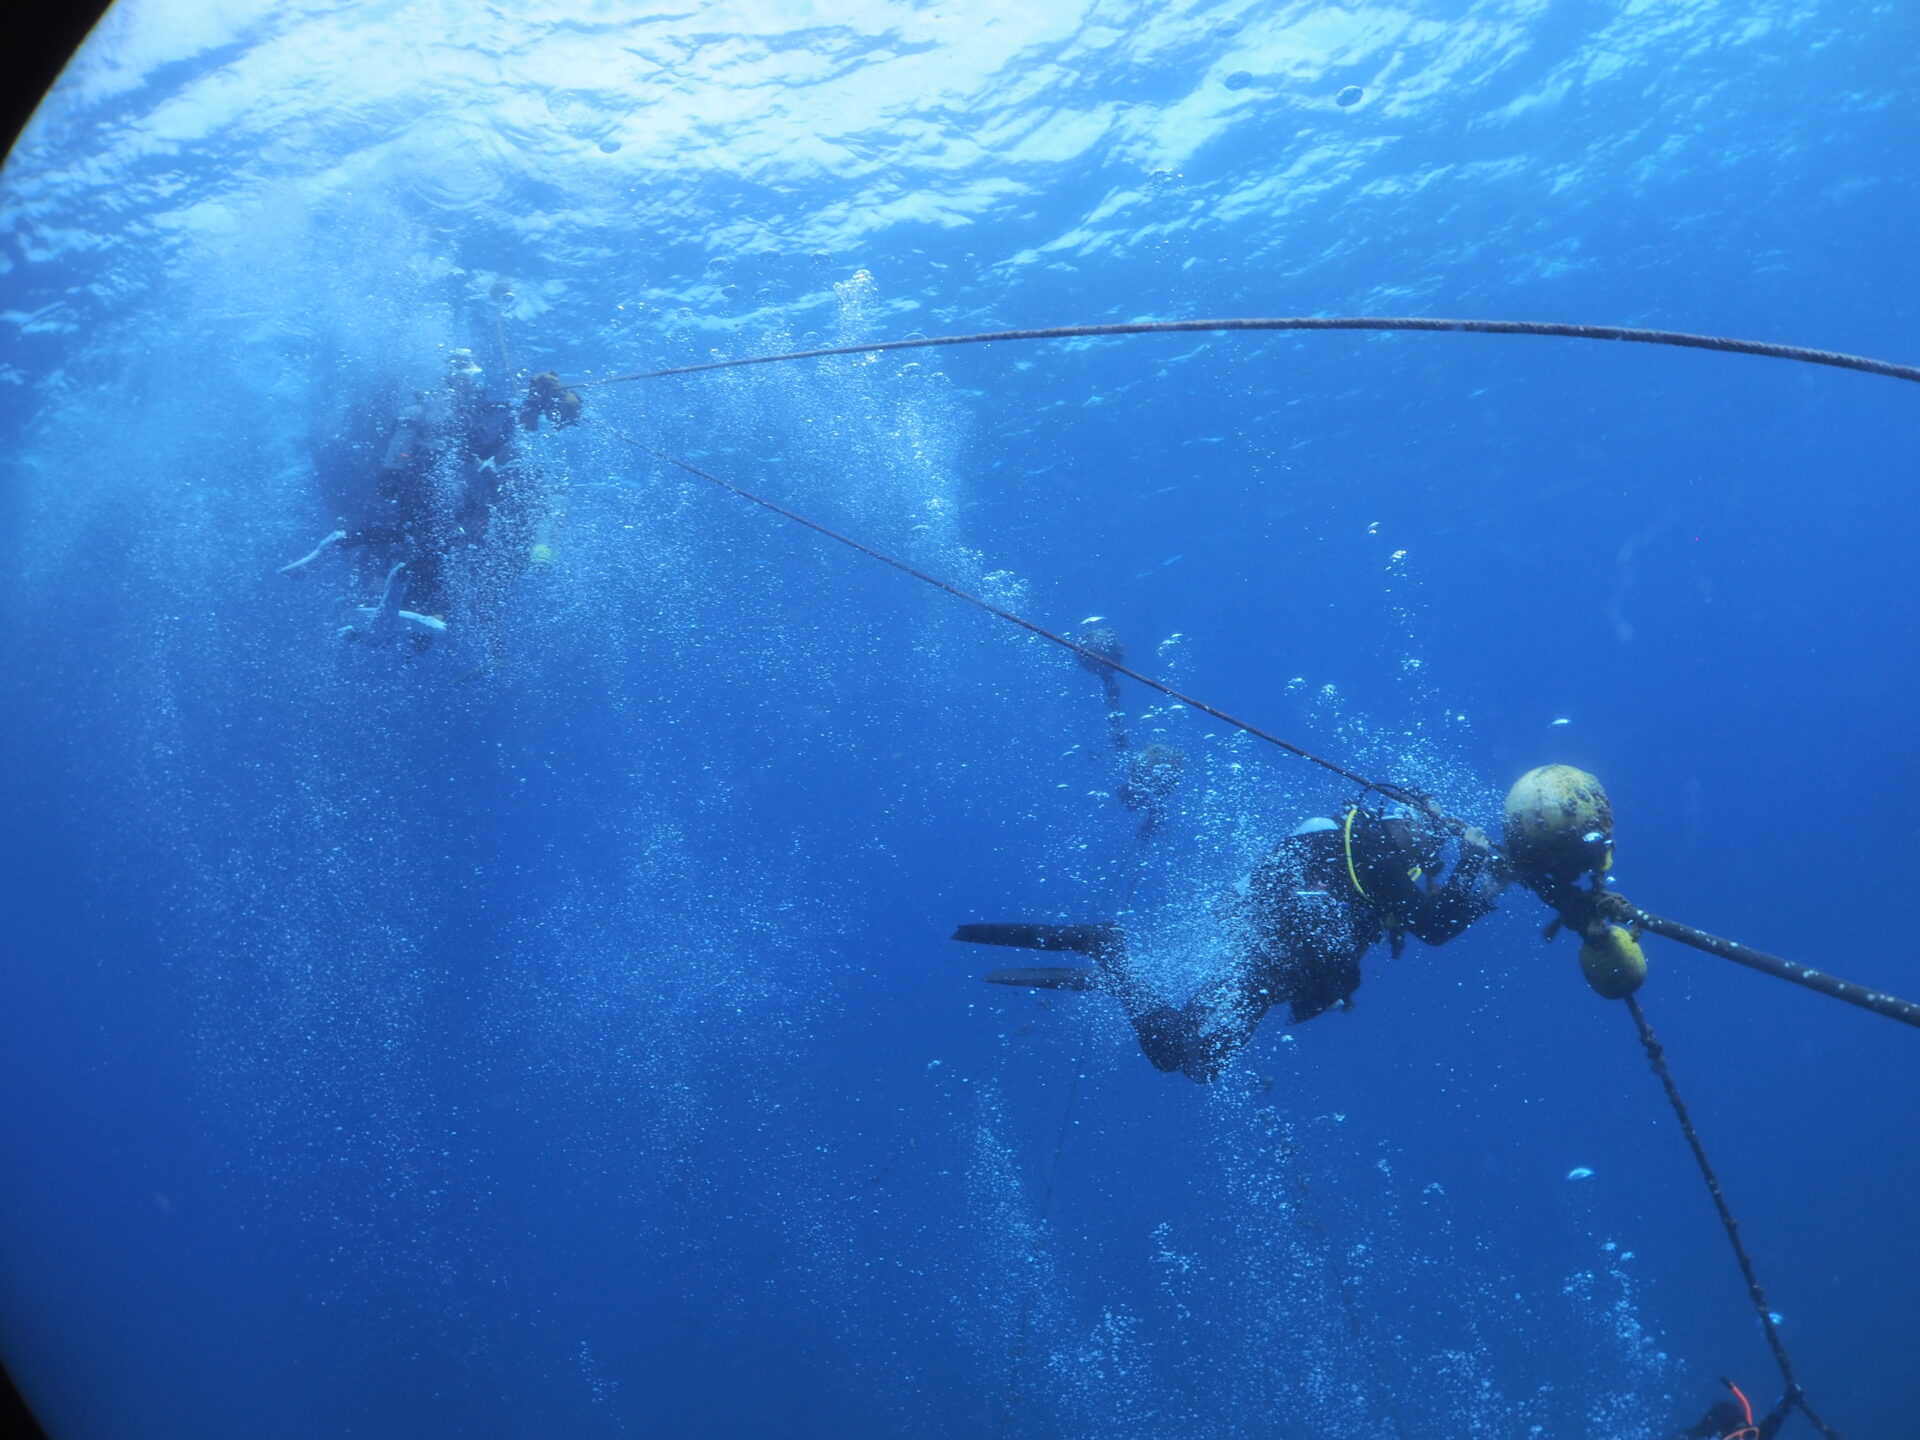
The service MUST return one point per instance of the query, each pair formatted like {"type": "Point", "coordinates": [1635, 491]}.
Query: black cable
{"type": "Point", "coordinates": [1024, 1338]}
{"type": "Point", "coordinates": [1392, 792]}
{"type": "Point", "coordinates": [1656, 1056]}
{"type": "Point", "coordinates": [1060, 1140]}
{"type": "Point", "coordinates": [1306, 1216]}
{"type": "Point", "coordinates": [1683, 339]}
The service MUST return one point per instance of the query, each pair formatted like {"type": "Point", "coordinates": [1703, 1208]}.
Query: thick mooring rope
{"type": "Point", "coordinates": [1656, 1056]}
{"type": "Point", "coordinates": [1878, 1001]}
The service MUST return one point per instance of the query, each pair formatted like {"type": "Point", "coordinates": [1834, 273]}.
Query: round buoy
{"type": "Point", "coordinates": [1559, 826]}
{"type": "Point", "coordinates": [1614, 964]}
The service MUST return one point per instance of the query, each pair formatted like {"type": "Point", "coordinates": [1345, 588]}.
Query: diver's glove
{"type": "Point", "coordinates": [1482, 867]}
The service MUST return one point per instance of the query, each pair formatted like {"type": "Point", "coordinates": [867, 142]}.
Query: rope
{"type": "Point", "coordinates": [1391, 792]}
{"type": "Point", "coordinates": [1656, 1056]}
{"type": "Point", "coordinates": [1060, 1140]}
{"type": "Point", "coordinates": [1683, 339]}
{"type": "Point", "coordinates": [1306, 1215]}
{"type": "Point", "coordinates": [1878, 1001]}
{"type": "Point", "coordinates": [1024, 1338]}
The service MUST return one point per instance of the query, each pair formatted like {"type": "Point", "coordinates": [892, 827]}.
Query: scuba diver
{"type": "Point", "coordinates": [1322, 898]}
{"type": "Point", "coordinates": [1152, 773]}
{"type": "Point", "coordinates": [450, 492]}
{"type": "Point", "coordinates": [1732, 1419]}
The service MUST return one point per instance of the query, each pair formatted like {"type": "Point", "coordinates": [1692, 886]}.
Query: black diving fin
{"type": "Point", "coordinates": [1083, 939]}
{"type": "Point", "coordinates": [1044, 979]}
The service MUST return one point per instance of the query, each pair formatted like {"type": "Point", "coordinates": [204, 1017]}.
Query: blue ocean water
{"type": "Point", "coordinates": [557, 1031]}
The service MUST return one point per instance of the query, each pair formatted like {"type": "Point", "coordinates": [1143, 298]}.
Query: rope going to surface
{"type": "Point", "coordinates": [1656, 1056]}
{"type": "Point", "coordinates": [1725, 344]}
{"type": "Point", "coordinates": [1391, 792]}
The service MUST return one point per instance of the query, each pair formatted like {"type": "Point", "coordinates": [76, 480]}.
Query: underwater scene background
{"type": "Point", "coordinates": [553, 1028]}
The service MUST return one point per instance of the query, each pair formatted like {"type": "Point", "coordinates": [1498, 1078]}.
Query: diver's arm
{"type": "Point", "coordinates": [1776, 1417]}
{"type": "Point", "coordinates": [1436, 916]}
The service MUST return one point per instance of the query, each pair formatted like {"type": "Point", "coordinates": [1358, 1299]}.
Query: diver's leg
{"type": "Point", "coordinates": [313, 556]}
{"type": "Point", "coordinates": [1329, 981]}
{"type": "Point", "coordinates": [424, 626]}
{"type": "Point", "coordinates": [380, 620]}
{"type": "Point", "coordinates": [1199, 1037]}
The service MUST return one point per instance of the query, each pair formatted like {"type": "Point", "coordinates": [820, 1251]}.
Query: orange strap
{"type": "Point", "coordinates": [1748, 1431]}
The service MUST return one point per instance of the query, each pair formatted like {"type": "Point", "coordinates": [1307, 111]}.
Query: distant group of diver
{"type": "Point", "coordinates": [456, 513]}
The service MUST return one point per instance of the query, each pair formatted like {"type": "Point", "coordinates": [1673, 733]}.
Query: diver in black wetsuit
{"type": "Point", "coordinates": [448, 486]}
{"type": "Point", "coordinates": [1318, 902]}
